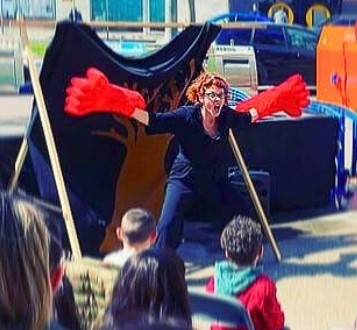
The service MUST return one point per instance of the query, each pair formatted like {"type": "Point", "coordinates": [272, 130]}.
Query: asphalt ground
{"type": "Point", "coordinates": [317, 275]}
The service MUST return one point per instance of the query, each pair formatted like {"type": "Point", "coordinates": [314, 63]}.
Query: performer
{"type": "Point", "coordinates": [199, 170]}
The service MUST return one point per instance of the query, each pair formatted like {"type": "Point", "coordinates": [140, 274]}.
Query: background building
{"type": "Point", "coordinates": [160, 10]}
{"type": "Point", "coordinates": [114, 10]}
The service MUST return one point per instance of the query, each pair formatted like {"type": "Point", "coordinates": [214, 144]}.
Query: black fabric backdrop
{"type": "Point", "coordinates": [300, 156]}
{"type": "Point", "coordinates": [91, 164]}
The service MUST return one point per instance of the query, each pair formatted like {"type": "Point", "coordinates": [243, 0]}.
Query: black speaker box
{"type": "Point", "coordinates": [261, 182]}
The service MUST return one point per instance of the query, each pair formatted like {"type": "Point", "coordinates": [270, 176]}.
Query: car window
{"type": "Point", "coordinates": [344, 21]}
{"type": "Point", "coordinates": [301, 39]}
{"type": "Point", "coordinates": [272, 35]}
{"type": "Point", "coordinates": [225, 18]}
{"type": "Point", "coordinates": [243, 36]}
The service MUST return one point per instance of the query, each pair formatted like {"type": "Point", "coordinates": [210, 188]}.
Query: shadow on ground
{"type": "Point", "coordinates": [319, 243]}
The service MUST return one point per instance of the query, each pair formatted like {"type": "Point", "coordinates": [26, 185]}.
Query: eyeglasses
{"type": "Point", "coordinates": [212, 96]}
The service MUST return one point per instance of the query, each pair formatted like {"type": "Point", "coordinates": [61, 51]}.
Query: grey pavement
{"type": "Point", "coordinates": [14, 114]}
{"type": "Point", "coordinates": [317, 276]}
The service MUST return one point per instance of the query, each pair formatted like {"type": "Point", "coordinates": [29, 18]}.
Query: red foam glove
{"type": "Point", "coordinates": [291, 96]}
{"type": "Point", "coordinates": [94, 94]}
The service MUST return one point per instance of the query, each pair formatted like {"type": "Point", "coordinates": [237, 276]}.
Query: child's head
{"type": "Point", "coordinates": [25, 292]}
{"type": "Point", "coordinates": [153, 282]}
{"type": "Point", "coordinates": [138, 228]}
{"type": "Point", "coordinates": [242, 240]}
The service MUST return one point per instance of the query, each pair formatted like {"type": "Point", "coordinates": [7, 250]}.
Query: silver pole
{"type": "Point", "coordinates": [107, 16]}
{"type": "Point", "coordinates": [146, 15]}
{"type": "Point", "coordinates": [2, 16]}
{"type": "Point", "coordinates": [168, 19]}
{"type": "Point", "coordinates": [18, 10]}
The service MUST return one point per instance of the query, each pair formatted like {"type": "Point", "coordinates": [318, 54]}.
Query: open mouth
{"type": "Point", "coordinates": [216, 109]}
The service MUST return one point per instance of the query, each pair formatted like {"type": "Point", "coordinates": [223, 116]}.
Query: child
{"type": "Point", "coordinates": [240, 276]}
{"type": "Point", "coordinates": [25, 294]}
{"type": "Point", "coordinates": [137, 232]}
{"type": "Point", "coordinates": [151, 282]}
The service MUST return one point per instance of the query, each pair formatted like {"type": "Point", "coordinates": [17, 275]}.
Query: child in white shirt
{"type": "Point", "coordinates": [137, 232]}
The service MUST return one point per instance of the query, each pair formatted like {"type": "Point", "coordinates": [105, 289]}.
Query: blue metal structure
{"type": "Point", "coordinates": [344, 171]}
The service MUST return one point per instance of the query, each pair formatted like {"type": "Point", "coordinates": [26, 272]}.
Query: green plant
{"type": "Point", "coordinates": [38, 48]}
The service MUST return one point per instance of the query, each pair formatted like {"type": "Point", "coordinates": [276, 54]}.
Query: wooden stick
{"type": "Point", "coordinates": [21, 156]}
{"type": "Point", "coordinates": [253, 194]}
{"type": "Point", "coordinates": [19, 163]}
{"type": "Point", "coordinates": [55, 164]}
{"type": "Point", "coordinates": [127, 24]}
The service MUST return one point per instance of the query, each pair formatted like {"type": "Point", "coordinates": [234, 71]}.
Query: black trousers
{"type": "Point", "coordinates": [179, 200]}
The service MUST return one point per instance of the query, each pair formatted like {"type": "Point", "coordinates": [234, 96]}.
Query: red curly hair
{"type": "Point", "coordinates": [204, 81]}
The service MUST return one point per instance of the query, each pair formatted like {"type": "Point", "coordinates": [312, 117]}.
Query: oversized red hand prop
{"type": "Point", "coordinates": [292, 96]}
{"type": "Point", "coordinates": [94, 93]}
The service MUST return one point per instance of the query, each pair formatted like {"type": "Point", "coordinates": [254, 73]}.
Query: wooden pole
{"type": "Point", "coordinates": [19, 163]}
{"type": "Point", "coordinates": [127, 24]}
{"type": "Point", "coordinates": [21, 156]}
{"type": "Point", "coordinates": [253, 194]}
{"type": "Point", "coordinates": [55, 164]}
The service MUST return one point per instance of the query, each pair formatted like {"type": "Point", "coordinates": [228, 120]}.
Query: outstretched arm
{"type": "Point", "coordinates": [95, 94]}
{"type": "Point", "coordinates": [292, 96]}
{"type": "Point", "coordinates": [141, 115]}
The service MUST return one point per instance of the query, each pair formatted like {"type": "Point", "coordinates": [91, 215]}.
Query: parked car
{"type": "Point", "coordinates": [339, 20]}
{"type": "Point", "coordinates": [344, 20]}
{"type": "Point", "coordinates": [240, 17]}
{"type": "Point", "coordinates": [281, 50]}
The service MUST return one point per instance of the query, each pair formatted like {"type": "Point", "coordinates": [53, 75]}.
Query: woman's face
{"type": "Point", "coordinates": [213, 99]}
